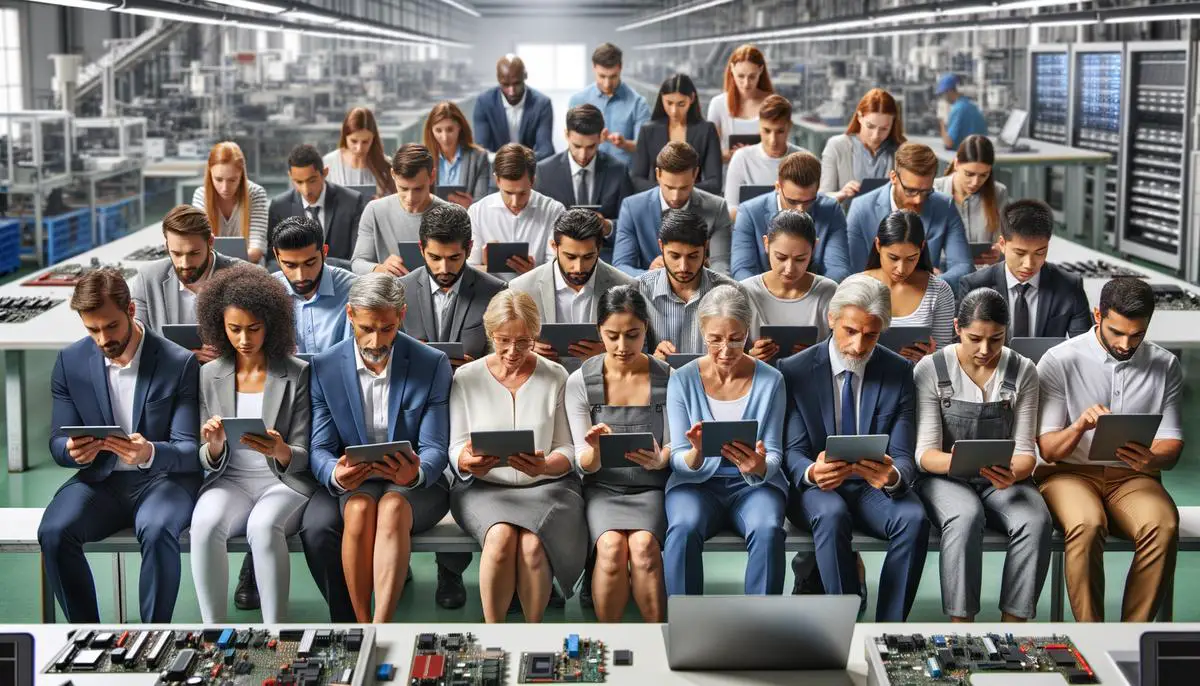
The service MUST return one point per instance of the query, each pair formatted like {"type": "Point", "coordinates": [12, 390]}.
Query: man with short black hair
{"type": "Point", "coordinates": [623, 109]}
{"type": "Point", "coordinates": [337, 209]}
{"type": "Point", "coordinates": [758, 165]}
{"type": "Point", "coordinates": [513, 112]}
{"type": "Point", "coordinates": [318, 289]}
{"type": "Point", "coordinates": [392, 219]}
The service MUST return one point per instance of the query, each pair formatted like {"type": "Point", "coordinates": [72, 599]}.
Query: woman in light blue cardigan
{"type": "Point", "coordinates": [737, 485]}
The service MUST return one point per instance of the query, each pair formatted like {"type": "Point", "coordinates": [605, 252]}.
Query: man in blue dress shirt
{"type": "Point", "coordinates": [624, 109]}
{"type": "Point", "coordinates": [964, 119]}
{"type": "Point", "coordinates": [319, 290]}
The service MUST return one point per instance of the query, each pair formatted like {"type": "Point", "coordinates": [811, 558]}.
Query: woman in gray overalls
{"type": "Point", "coordinates": [980, 389]}
{"type": "Point", "coordinates": [626, 519]}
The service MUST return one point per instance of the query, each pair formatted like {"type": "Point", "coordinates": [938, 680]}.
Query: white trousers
{"type": "Point", "coordinates": [266, 512]}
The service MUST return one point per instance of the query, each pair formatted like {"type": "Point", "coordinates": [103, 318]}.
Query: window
{"type": "Point", "coordinates": [555, 67]}
{"type": "Point", "coordinates": [11, 95]}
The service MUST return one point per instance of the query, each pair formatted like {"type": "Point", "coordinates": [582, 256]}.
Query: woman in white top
{"type": "Point", "coordinates": [747, 84]}
{"type": "Point", "coordinates": [866, 151]}
{"type": "Point", "coordinates": [360, 159]}
{"type": "Point", "coordinates": [979, 197]}
{"type": "Point", "coordinates": [527, 514]}
{"type": "Point", "coordinates": [980, 390]}
{"type": "Point", "coordinates": [789, 294]}
{"type": "Point", "coordinates": [255, 485]}
{"type": "Point", "coordinates": [235, 205]}
{"type": "Point", "coordinates": [901, 261]}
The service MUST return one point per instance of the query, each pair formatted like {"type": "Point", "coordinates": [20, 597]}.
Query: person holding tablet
{"type": "Point", "coordinates": [866, 151]}
{"type": "Point", "coordinates": [739, 484]}
{"type": "Point", "coordinates": [527, 512]}
{"type": "Point", "coordinates": [396, 218]}
{"type": "Point", "coordinates": [379, 387]}
{"type": "Point", "coordinates": [459, 161]}
{"type": "Point", "coordinates": [235, 205]}
{"type": "Point", "coordinates": [980, 389]}
{"type": "Point", "coordinates": [626, 521]}
{"type": "Point", "coordinates": [359, 159]}
{"type": "Point", "coordinates": [759, 164]}
{"type": "Point", "coordinates": [735, 110]}
{"type": "Point", "coordinates": [256, 484]}
{"type": "Point", "coordinates": [899, 259]}
{"type": "Point", "coordinates": [1112, 369]}
{"type": "Point", "coordinates": [979, 198]}
{"type": "Point", "coordinates": [677, 118]}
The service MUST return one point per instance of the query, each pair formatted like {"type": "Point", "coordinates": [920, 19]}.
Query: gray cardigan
{"type": "Point", "coordinates": [837, 165]}
{"type": "Point", "coordinates": [475, 172]}
{"type": "Point", "coordinates": [286, 408]}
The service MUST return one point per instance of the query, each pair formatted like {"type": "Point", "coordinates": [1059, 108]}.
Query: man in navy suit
{"type": "Point", "coordinates": [350, 383]}
{"type": "Point", "coordinates": [122, 375]}
{"type": "Point", "coordinates": [514, 113]}
{"type": "Point", "coordinates": [850, 386]}
{"type": "Point", "coordinates": [337, 209]}
{"type": "Point", "coordinates": [1045, 301]}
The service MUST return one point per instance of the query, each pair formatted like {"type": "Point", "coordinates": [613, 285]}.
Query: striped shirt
{"type": "Point", "coordinates": [672, 319]}
{"type": "Point", "coordinates": [936, 310]}
{"type": "Point", "coordinates": [232, 226]}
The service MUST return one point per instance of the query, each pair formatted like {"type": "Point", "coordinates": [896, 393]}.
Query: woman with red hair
{"type": "Point", "coordinates": [359, 159]}
{"type": "Point", "coordinates": [747, 84]}
{"type": "Point", "coordinates": [867, 149]}
{"type": "Point", "coordinates": [235, 205]}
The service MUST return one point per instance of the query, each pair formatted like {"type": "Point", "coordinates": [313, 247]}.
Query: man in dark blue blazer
{"type": "Point", "coordinates": [147, 478]}
{"type": "Point", "coordinates": [848, 385]}
{"type": "Point", "coordinates": [512, 105]}
{"type": "Point", "coordinates": [348, 382]}
{"type": "Point", "coordinates": [796, 189]}
{"type": "Point", "coordinates": [337, 209]}
{"type": "Point", "coordinates": [911, 188]}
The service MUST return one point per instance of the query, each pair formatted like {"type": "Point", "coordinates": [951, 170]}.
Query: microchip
{"type": "Point", "coordinates": [623, 658]}
{"type": "Point", "coordinates": [102, 640]}
{"type": "Point", "coordinates": [1062, 658]}
{"type": "Point", "coordinates": [87, 660]}
{"type": "Point", "coordinates": [428, 667]}
{"type": "Point", "coordinates": [537, 666]}
{"type": "Point", "coordinates": [1078, 676]}
{"type": "Point", "coordinates": [426, 641]}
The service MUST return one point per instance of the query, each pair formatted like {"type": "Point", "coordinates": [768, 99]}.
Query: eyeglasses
{"type": "Point", "coordinates": [913, 192]}
{"type": "Point", "coordinates": [520, 345]}
{"type": "Point", "coordinates": [730, 344]}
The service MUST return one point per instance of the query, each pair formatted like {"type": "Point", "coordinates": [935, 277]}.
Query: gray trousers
{"type": "Point", "coordinates": [962, 510]}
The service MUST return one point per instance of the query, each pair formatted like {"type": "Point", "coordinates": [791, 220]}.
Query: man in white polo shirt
{"type": "Point", "coordinates": [1112, 369]}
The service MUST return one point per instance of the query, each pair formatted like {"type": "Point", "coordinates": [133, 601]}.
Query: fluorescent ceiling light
{"type": "Point", "coordinates": [257, 25]}
{"type": "Point", "coordinates": [252, 5]}
{"type": "Point", "coordinates": [906, 16]}
{"type": "Point", "coordinates": [1063, 22]}
{"type": "Point", "coordinates": [1028, 5]}
{"type": "Point", "coordinates": [1136, 18]}
{"type": "Point", "coordinates": [311, 17]}
{"type": "Point", "coordinates": [882, 33]}
{"type": "Point", "coordinates": [172, 16]}
{"type": "Point", "coordinates": [81, 4]}
{"type": "Point", "coordinates": [677, 12]}
{"type": "Point", "coordinates": [463, 8]}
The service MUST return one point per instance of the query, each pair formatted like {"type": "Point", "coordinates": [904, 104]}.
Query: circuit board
{"type": "Point", "coordinates": [1098, 269]}
{"type": "Point", "coordinates": [69, 274]}
{"type": "Point", "coordinates": [1171, 297]}
{"type": "Point", "coordinates": [14, 310]}
{"type": "Point", "coordinates": [456, 660]}
{"type": "Point", "coordinates": [222, 656]}
{"type": "Point", "coordinates": [150, 252]}
{"type": "Point", "coordinates": [581, 661]}
{"type": "Point", "coordinates": [918, 660]}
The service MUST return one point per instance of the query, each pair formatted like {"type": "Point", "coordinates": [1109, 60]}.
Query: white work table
{"type": "Point", "coordinates": [394, 644]}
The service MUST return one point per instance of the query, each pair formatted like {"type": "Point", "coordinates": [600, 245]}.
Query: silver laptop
{"type": "Point", "coordinates": [760, 632]}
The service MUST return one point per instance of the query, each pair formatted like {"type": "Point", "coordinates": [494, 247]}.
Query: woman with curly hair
{"type": "Point", "coordinates": [256, 485]}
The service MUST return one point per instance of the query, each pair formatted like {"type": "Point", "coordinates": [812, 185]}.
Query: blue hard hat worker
{"type": "Point", "coordinates": [964, 119]}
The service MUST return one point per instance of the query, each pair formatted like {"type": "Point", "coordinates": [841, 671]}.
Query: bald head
{"type": "Point", "coordinates": [510, 74]}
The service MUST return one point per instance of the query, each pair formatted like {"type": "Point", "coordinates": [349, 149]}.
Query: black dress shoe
{"type": "Point", "coordinates": [451, 594]}
{"type": "Point", "coordinates": [810, 584]}
{"type": "Point", "coordinates": [245, 596]}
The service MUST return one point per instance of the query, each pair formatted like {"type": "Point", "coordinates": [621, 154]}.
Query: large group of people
{"type": "Point", "coordinates": [627, 232]}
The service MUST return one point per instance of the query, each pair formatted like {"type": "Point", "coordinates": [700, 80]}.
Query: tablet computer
{"type": "Point", "coordinates": [374, 452]}
{"type": "Point", "coordinates": [307, 357]}
{"type": "Point", "coordinates": [496, 255]}
{"type": "Point", "coordinates": [454, 351]}
{"type": "Point", "coordinates": [899, 337]}
{"type": "Point", "coordinates": [677, 360]}
{"type": "Point", "coordinates": [502, 444]}
{"type": "Point", "coordinates": [968, 457]}
{"type": "Point", "coordinates": [366, 191]}
{"type": "Point", "coordinates": [410, 252]}
{"type": "Point", "coordinates": [714, 435]}
{"type": "Point", "coordinates": [1115, 430]}
{"type": "Point", "coordinates": [787, 337]}
{"type": "Point", "coordinates": [868, 185]}
{"type": "Point", "coordinates": [614, 446]}
{"type": "Point", "coordinates": [236, 427]}
{"type": "Point", "coordinates": [561, 336]}
{"type": "Point", "coordinates": [594, 208]}
{"type": "Point", "coordinates": [750, 192]}
{"type": "Point", "coordinates": [856, 448]}
{"type": "Point", "coordinates": [1034, 347]}
{"type": "Point", "coordinates": [232, 246]}
{"type": "Point", "coordinates": [185, 335]}
{"type": "Point", "coordinates": [93, 431]}
{"type": "Point", "coordinates": [980, 249]}
{"type": "Point", "coordinates": [444, 192]}
{"type": "Point", "coordinates": [744, 139]}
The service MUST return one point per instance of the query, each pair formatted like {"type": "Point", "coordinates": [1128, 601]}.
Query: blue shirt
{"type": "Point", "coordinates": [449, 174]}
{"type": "Point", "coordinates": [321, 320]}
{"type": "Point", "coordinates": [624, 112]}
{"type": "Point", "coordinates": [964, 120]}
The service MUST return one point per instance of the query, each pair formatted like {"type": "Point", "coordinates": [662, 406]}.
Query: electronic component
{"type": "Point", "coordinates": [306, 643]}
{"type": "Point", "coordinates": [455, 660]}
{"type": "Point", "coordinates": [68, 274]}
{"type": "Point", "coordinates": [14, 310]}
{"type": "Point", "coordinates": [1098, 269]}
{"type": "Point", "coordinates": [181, 665]}
{"type": "Point", "coordinates": [87, 660]}
{"type": "Point", "coordinates": [225, 639]}
{"type": "Point", "coordinates": [952, 659]}
{"type": "Point", "coordinates": [385, 672]}
{"type": "Point", "coordinates": [623, 658]}
{"type": "Point", "coordinates": [150, 252]}
{"type": "Point", "coordinates": [1172, 297]}
{"type": "Point", "coordinates": [157, 650]}
{"type": "Point", "coordinates": [581, 660]}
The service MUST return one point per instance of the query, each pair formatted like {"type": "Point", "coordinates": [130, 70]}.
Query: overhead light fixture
{"type": "Point", "coordinates": [908, 16]}
{"type": "Point", "coordinates": [172, 16]}
{"type": "Point", "coordinates": [311, 17]}
{"type": "Point", "coordinates": [1137, 18]}
{"type": "Point", "coordinates": [463, 8]}
{"type": "Point", "coordinates": [252, 5]}
{"type": "Point", "coordinates": [257, 25]}
{"type": "Point", "coordinates": [676, 12]}
{"type": "Point", "coordinates": [100, 5]}
{"type": "Point", "coordinates": [884, 33]}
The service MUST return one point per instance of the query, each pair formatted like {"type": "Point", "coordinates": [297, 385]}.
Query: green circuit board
{"type": "Point", "coordinates": [456, 660]}
{"type": "Point", "coordinates": [945, 659]}
{"type": "Point", "coordinates": [581, 661]}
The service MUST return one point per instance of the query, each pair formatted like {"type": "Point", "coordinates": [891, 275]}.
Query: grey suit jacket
{"type": "Point", "coordinates": [343, 206]}
{"type": "Point", "coordinates": [474, 293]}
{"type": "Point", "coordinates": [475, 172]}
{"type": "Point", "coordinates": [539, 284]}
{"type": "Point", "coordinates": [156, 292]}
{"type": "Point", "coordinates": [286, 409]}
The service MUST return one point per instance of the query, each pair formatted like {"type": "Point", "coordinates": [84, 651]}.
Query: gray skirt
{"type": "Point", "coordinates": [429, 504]}
{"type": "Point", "coordinates": [551, 509]}
{"type": "Point", "coordinates": [624, 508]}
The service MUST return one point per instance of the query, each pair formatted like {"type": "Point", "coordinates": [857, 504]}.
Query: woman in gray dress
{"type": "Point", "coordinates": [626, 520]}
{"type": "Point", "coordinates": [527, 514]}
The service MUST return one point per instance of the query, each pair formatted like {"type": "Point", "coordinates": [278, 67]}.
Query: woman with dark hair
{"type": "Point", "coordinates": [676, 117]}
{"type": "Point", "coordinates": [735, 109]}
{"type": "Point", "coordinates": [456, 157]}
{"type": "Point", "coordinates": [979, 197]}
{"type": "Point", "coordinates": [901, 261]}
{"type": "Point", "coordinates": [866, 151]}
{"type": "Point", "coordinates": [360, 159]}
{"type": "Point", "coordinates": [626, 521]}
{"type": "Point", "coordinates": [256, 484]}
{"type": "Point", "coordinates": [978, 389]}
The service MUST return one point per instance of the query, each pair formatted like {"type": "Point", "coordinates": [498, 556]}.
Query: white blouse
{"type": "Point", "coordinates": [343, 174]}
{"type": "Point", "coordinates": [726, 123]}
{"type": "Point", "coordinates": [479, 402]}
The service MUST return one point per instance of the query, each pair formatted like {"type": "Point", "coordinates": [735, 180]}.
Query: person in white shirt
{"type": "Point", "coordinates": [514, 214]}
{"type": "Point", "coordinates": [1112, 369]}
{"type": "Point", "coordinates": [758, 165]}
{"type": "Point", "coordinates": [974, 390]}
{"type": "Point", "coordinates": [747, 84]}
{"type": "Point", "coordinates": [527, 513]}
{"type": "Point", "coordinates": [359, 159]}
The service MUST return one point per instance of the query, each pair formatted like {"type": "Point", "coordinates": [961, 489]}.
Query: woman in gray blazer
{"type": "Point", "coordinates": [677, 117]}
{"type": "Point", "coordinates": [867, 149]}
{"type": "Point", "coordinates": [256, 483]}
{"type": "Point", "coordinates": [456, 158]}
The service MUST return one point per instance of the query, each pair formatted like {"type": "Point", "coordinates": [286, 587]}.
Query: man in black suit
{"type": "Point", "coordinates": [1044, 301]}
{"type": "Point", "coordinates": [585, 175]}
{"type": "Point", "coordinates": [336, 208]}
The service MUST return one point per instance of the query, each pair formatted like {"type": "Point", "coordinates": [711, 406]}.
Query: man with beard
{"type": "Point", "coordinates": [379, 386]}
{"type": "Point", "coordinates": [165, 290]}
{"type": "Point", "coordinates": [319, 290]}
{"type": "Point", "coordinates": [122, 375]}
{"type": "Point", "coordinates": [1112, 369]}
{"type": "Point", "coordinates": [848, 385]}
{"type": "Point", "coordinates": [513, 112]}
{"type": "Point", "coordinates": [568, 289]}
{"type": "Point", "coordinates": [675, 290]}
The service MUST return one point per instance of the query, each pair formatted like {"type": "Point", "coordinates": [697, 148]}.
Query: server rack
{"type": "Point", "coordinates": [1095, 121]}
{"type": "Point", "coordinates": [1153, 206]}
{"type": "Point", "coordinates": [1048, 105]}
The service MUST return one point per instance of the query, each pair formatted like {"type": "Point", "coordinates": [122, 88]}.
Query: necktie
{"type": "Point", "coordinates": [447, 318]}
{"type": "Point", "coordinates": [581, 194]}
{"type": "Point", "coordinates": [314, 211]}
{"type": "Point", "coordinates": [849, 410]}
{"type": "Point", "coordinates": [1020, 328]}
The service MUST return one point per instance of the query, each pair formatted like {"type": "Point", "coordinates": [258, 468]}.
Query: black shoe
{"type": "Point", "coordinates": [862, 587]}
{"type": "Point", "coordinates": [809, 584]}
{"type": "Point", "coordinates": [451, 594]}
{"type": "Point", "coordinates": [245, 596]}
{"type": "Point", "coordinates": [557, 601]}
{"type": "Point", "coordinates": [585, 590]}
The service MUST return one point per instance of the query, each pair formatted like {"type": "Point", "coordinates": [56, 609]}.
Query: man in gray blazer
{"type": "Point", "coordinates": [336, 208]}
